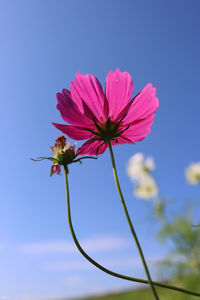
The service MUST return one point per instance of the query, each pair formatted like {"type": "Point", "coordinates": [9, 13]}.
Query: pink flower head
{"type": "Point", "coordinates": [111, 116]}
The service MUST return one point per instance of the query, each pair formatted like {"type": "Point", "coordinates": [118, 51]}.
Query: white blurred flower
{"type": "Point", "coordinates": [192, 173]}
{"type": "Point", "coordinates": [149, 163]}
{"type": "Point", "coordinates": [139, 167]}
{"type": "Point", "coordinates": [146, 188]}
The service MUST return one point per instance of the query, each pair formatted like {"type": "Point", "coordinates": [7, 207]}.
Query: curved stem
{"type": "Point", "coordinates": [130, 223]}
{"type": "Point", "coordinates": [105, 269]}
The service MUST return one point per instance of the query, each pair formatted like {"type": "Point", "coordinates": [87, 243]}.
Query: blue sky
{"type": "Point", "coordinates": [43, 45]}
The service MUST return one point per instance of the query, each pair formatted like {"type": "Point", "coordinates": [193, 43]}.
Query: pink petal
{"type": "Point", "coordinates": [69, 110]}
{"type": "Point", "coordinates": [139, 129]}
{"type": "Point", "coordinates": [92, 147]}
{"type": "Point", "coordinates": [88, 113]}
{"type": "Point", "coordinates": [74, 132]}
{"type": "Point", "coordinates": [119, 89]}
{"type": "Point", "coordinates": [88, 88]}
{"type": "Point", "coordinates": [143, 105]}
{"type": "Point", "coordinates": [121, 140]}
{"type": "Point", "coordinates": [55, 169]}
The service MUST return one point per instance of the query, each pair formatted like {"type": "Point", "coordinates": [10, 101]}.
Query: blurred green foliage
{"type": "Point", "coordinates": [190, 282]}
{"type": "Point", "coordinates": [182, 239]}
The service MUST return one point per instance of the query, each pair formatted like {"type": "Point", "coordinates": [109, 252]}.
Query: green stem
{"type": "Point", "coordinates": [107, 270]}
{"type": "Point", "coordinates": [130, 223]}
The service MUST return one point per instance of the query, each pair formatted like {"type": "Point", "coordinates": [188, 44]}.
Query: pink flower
{"type": "Point", "coordinates": [111, 116]}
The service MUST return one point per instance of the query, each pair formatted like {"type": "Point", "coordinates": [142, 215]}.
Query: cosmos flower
{"type": "Point", "coordinates": [139, 167]}
{"type": "Point", "coordinates": [192, 173]}
{"type": "Point", "coordinates": [63, 154]}
{"type": "Point", "coordinates": [146, 188]}
{"type": "Point", "coordinates": [106, 117]}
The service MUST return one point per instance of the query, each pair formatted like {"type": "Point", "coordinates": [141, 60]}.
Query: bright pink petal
{"type": "Point", "coordinates": [69, 110]}
{"type": "Point", "coordinates": [143, 105]}
{"type": "Point", "coordinates": [138, 130]}
{"type": "Point", "coordinates": [119, 89]}
{"type": "Point", "coordinates": [74, 132]}
{"type": "Point", "coordinates": [89, 113]}
{"type": "Point", "coordinates": [88, 88]}
{"type": "Point", "coordinates": [121, 140]}
{"type": "Point", "coordinates": [92, 147]}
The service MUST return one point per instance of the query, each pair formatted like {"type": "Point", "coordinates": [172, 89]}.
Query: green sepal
{"type": "Point", "coordinates": [84, 157]}
{"type": "Point", "coordinates": [51, 171]}
{"type": "Point", "coordinates": [43, 158]}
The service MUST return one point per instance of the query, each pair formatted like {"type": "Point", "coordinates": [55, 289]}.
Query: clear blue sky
{"type": "Point", "coordinates": [43, 45]}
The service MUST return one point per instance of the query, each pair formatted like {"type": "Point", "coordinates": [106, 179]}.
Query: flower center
{"type": "Point", "coordinates": [107, 131]}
